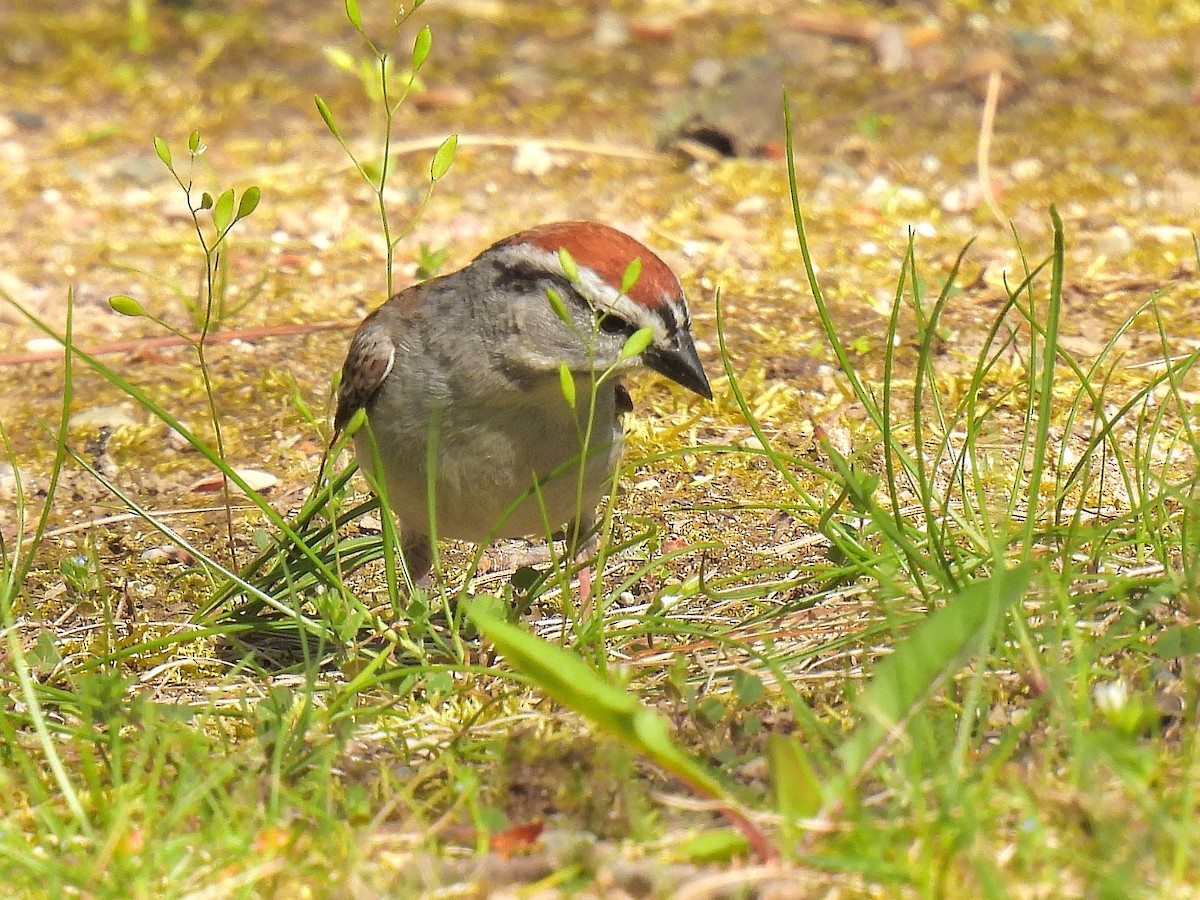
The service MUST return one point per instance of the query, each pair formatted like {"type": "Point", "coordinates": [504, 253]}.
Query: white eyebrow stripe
{"type": "Point", "coordinates": [599, 293]}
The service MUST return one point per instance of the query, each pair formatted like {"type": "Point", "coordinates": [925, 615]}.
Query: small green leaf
{"type": "Point", "coordinates": [747, 686]}
{"type": "Point", "coordinates": [1177, 640]}
{"type": "Point", "coordinates": [444, 158]}
{"type": "Point", "coordinates": [569, 267]}
{"type": "Point", "coordinates": [341, 59]}
{"type": "Point", "coordinates": [637, 342]}
{"type": "Point", "coordinates": [248, 203]}
{"type": "Point", "coordinates": [793, 780]}
{"type": "Point", "coordinates": [566, 382]}
{"type": "Point", "coordinates": [353, 14]}
{"type": "Point", "coordinates": [193, 141]}
{"type": "Point", "coordinates": [326, 115]}
{"type": "Point", "coordinates": [126, 305]}
{"type": "Point", "coordinates": [633, 272]}
{"type": "Point", "coordinates": [373, 169]}
{"type": "Point", "coordinates": [557, 304]}
{"type": "Point", "coordinates": [163, 151]}
{"type": "Point", "coordinates": [223, 211]}
{"type": "Point", "coordinates": [356, 420]}
{"type": "Point", "coordinates": [206, 200]}
{"type": "Point", "coordinates": [711, 710]}
{"type": "Point", "coordinates": [421, 47]}
{"type": "Point", "coordinates": [715, 846]}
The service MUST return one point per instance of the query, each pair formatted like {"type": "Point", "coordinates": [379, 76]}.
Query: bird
{"type": "Point", "coordinates": [504, 379]}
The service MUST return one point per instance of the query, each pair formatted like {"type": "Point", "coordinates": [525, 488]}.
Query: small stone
{"type": "Point", "coordinates": [751, 205]}
{"type": "Point", "coordinates": [1168, 234]}
{"type": "Point", "coordinates": [706, 72]}
{"type": "Point", "coordinates": [113, 416]}
{"type": "Point", "coordinates": [1181, 192]}
{"type": "Point", "coordinates": [532, 158]}
{"type": "Point", "coordinates": [879, 186]}
{"type": "Point", "coordinates": [725, 227]}
{"type": "Point", "coordinates": [610, 31]}
{"type": "Point", "coordinates": [177, 442]}
{"type": "Point", "coordinates": [156, 555]}
{"type": "Point", "coordinates": [27, 121]}
{"type": "Point", "coordinates": [962, 198]}
{"type": "Point", "coordinates": [527, 83]}
{"type": "Point", "coordinates": [446, 96]}
{"type": "Point", "coordinates": [1027, 169]}
{"type": "Point", "coordinates": [43, 345]}
{"type": "Point", "coordinates": [892, 53]}
{"type": "Point", "coordinates": [654, 27]}
{"type": "Point", "coordinates": [1115, 241]}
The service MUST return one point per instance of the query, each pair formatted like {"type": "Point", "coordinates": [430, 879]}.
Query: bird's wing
{"type": "Point", "coordinates": [373, 350]}
{"type": "Point", "coordinates": [369, 361]}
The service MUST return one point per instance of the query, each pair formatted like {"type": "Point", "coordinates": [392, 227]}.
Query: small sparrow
{"type": "Point", "coordinates": [465, 372]}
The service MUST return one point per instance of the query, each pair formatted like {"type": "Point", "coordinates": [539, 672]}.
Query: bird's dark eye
{"type": "Point", "coordinates": [611, 324]}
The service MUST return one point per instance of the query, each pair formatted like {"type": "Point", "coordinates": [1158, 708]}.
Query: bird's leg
{"type": "Point", "coordinates": [582, 540]}
{"type": "Point", "coordinates": [418, 558]}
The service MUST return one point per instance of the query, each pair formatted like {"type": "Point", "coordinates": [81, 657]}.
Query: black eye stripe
{"type": "Point", "coordinates": [522, 278]}
{"type": "Point", "coordinates": [670, 321]}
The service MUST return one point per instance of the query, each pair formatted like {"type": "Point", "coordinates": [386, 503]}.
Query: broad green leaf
{"type": "Point", "coordinates": [326, 116]}
{"type": "Point", "coordinates": [569, 267]}
{"type": "Point", "coordinates": [567, 679]}
{"type": "Point", "coordinates": [933, 650]}
{"type": "Point", "coordinates": [557, 304]}
{"type": "Point", "coordinates": [566, 382]}
{"type": "Point", "coordinates": [637, 342]}
{"type": "Point", "coordinates": [796, 790]}
{"type": "Point", "coordinates": [163, 151]}
{"type": "Point", "coordinates": [421, 47]}
{"type": "Point", "coordinates": [353, 14]}
{"type": "Point", "coordinates": [443, 158]}
{"type": "Point", "coordinates": [223, 211]}
{"type": "Point", "coordinates": [126, 305]}
{"type": "Point", "coordinates": [248, 203]}
{"type": "Point", "coordinates": [633, 272]}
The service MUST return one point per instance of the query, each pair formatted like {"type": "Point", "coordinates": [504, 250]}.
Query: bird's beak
{"type": "Point", "coordinates": [681, 364]}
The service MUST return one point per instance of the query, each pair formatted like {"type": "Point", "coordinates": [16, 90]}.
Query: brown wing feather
{"type": "Point", "coordinates": [369, 361]}
{"type": "Point", "coordinates": [373, 351]}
